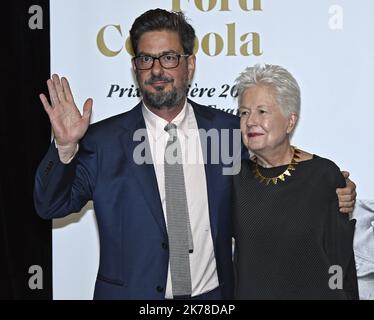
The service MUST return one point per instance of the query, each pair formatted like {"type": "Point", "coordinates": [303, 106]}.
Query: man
{"type": "Point", "coordinates": [165, 230]}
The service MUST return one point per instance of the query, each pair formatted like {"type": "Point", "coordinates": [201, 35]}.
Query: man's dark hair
{"type": "Point", "coordinates": [163, 20]}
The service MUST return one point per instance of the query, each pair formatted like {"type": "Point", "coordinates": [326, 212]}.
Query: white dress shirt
{"type": "Point", "coordinates": [202, 261]}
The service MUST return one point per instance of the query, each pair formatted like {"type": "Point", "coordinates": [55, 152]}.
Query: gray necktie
{"type": "Point", "coordinates": [179, 228]}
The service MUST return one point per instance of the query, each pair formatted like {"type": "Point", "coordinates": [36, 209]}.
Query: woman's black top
{"type": "Point", "coordinates": [291, 241]}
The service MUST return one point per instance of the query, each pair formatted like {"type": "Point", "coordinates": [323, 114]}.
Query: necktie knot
{"type": "Point", "coordinates": [171, 129]}
{"type": "Point", "coordinates": [170, 126]}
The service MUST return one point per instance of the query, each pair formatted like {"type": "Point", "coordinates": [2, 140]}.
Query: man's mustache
{"type": "Point", "coordinates": [158, 78]}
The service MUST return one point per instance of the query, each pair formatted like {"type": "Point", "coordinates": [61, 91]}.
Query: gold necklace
{"type": "Point", "coordinates": [283, 175]}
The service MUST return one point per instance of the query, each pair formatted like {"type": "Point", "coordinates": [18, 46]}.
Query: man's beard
{"type": "Point", "coordinates": [161, 99]}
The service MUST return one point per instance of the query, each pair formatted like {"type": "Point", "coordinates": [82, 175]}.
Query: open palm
{"type": "Point", "coordinates": [68, 124]}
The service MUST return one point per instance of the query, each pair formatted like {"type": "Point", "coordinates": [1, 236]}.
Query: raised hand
{"type": "Point", "coordinates": [68, 124]}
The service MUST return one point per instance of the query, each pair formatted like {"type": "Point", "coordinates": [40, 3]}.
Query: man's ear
{"type": "Point", "coordinates": [191, 63]}
{"type": "Point", "coordinates": [292, 121]}
{"type": "Point", "coordinates": [133, 65]}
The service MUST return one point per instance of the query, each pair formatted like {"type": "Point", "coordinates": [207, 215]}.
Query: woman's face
{"type": "Point", "coordinates": [263, 125]}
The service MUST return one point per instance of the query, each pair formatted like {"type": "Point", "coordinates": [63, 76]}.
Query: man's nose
{"type": "Point", "coordinates": [157, 68]}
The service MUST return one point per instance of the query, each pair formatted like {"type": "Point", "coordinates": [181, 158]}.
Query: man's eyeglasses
{"type": "Point", "coordinates": [167, 61]}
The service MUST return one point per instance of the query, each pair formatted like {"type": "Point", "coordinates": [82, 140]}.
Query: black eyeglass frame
{"type": "Point", "coordinates": [159, 60]}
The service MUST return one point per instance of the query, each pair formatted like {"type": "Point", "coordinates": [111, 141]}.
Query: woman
{"type": "Point", "coordinates": [291, 241]}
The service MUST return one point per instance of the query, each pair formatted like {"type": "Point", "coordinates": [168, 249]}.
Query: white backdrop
{"type": "Point", "coordinates": [326, 44]}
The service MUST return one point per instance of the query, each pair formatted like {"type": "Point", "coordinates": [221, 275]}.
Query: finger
{"type": "Point", "coordinates": [346, 210]}
{"type": "Point", "coordinates": [349, 189]}
{"type": "Point", "coordinates": [342, 191]}
{"type": "Point", "coordinates": [52, 93]}
{"type": "Point", "coordinates": [346, 197]}
{"type": "Point", "coordinates": [345, 174]}
{"type": "Point", "coordinates": [87, 110]}
{"type": "Point", "coordinates": [351, 184]}
{"type": "Point", "coordinates": [346, 204]}
{"type": "Point", "coordinates": [66, 87]}
{"type": "Point", "coordinates": [46, 105]}
{"type": "Point", "coordinates": [58, 86]}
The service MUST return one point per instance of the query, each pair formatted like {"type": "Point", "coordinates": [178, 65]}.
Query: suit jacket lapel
{"type": "Point", "coordinates": [144, 173]}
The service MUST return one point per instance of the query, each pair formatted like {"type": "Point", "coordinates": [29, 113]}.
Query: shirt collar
{"type": "Point", "coordinates": [156, 124]}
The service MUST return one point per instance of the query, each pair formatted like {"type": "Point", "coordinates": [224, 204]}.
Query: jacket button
{"type": "Point", "coordinates": [164, 245]}
{"type": "Point", "coordinates": [160, 289]}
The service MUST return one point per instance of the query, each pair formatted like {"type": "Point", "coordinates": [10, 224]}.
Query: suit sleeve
{"type": "Point", "coordinates": [61, 189]}
{"type": "Point", "coordinates": [339, 236]}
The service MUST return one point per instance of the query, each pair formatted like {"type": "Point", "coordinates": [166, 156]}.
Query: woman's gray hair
{"type": "Point", "coordinates": [286, 88]}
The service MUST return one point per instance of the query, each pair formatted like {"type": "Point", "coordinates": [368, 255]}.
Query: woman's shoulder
{"type": "Point", "coordinates": [326, 164]}
{"type": "Point", "coordinates": [303, 155]}
{"type": "Point", "coordinates": [328, 168]}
